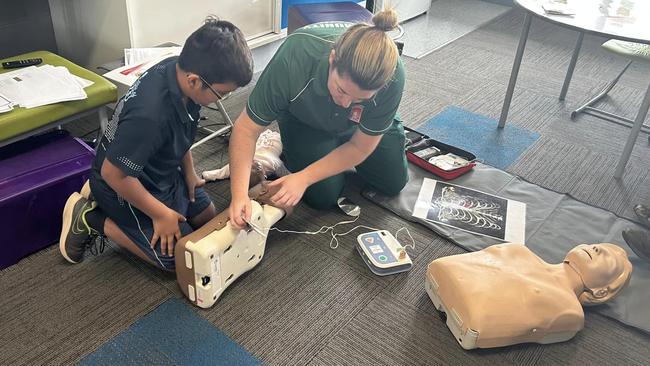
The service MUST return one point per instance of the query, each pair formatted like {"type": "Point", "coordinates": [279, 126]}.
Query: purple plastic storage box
{"type": "Point", "coordinates": [300, 15]}
{"type": "Point", "coordinates": [37, 175]}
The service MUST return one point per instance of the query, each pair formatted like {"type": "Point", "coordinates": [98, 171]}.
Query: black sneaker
{"type": "Point", "coordinates": [643, 213]}
{"type": "Point", "coordinates": [85, 191]}
{"type": "Point", "coordinates": [639, 242]}
{"type": "Point", "coordinates": [76, 235]}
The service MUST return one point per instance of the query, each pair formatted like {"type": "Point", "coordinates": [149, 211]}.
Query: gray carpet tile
{"type": "Point", "coordinates": [417, 107]}
{"type": "Point", "coordinates": [287, 308]}
{"type": "Point", "coordinates": [408, 287]}
{"type": "Point", "coordinates": [529, 109]}
{"type": "Point", "coordinates": [595, 134]}
{"type": "Point", "coordinates": [587, 175]}
{"type": "Point", "coordinates": [389, 332]}
{"type": "Point", "coordinates": [166, 280]}
{"type": "Point", "coordinates": [53, 313]}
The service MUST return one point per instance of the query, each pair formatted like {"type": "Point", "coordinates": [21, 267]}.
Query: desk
{"type": "Point", "coordinates": [21, 123]}
{"type": "Point", "coordinates": [625, 20]}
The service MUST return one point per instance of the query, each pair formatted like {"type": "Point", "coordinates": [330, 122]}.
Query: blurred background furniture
{"type": "Point", "coordinates": [93, 33]}
{"type": "Point", "coordinates": [21, 123]}
{"type": "Point", "coordinates": [634, 52]}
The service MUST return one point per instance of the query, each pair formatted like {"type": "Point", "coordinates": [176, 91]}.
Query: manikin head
{"type": "Point", "coordinates": [603, 268]}
{"type": "Point", "coordinates": [363, 60]}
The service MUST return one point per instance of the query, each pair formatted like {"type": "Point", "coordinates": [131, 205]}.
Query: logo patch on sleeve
{"type": "Point", "coordinates": [355, 113]}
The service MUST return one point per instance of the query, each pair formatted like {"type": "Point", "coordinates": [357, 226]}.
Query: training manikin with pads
{"type": "Point", "coordinates": [211, 258]}
{"type": "Point", "coordinates": [267, 157]}
{"type": "Point", "coordinates": [505, 294]}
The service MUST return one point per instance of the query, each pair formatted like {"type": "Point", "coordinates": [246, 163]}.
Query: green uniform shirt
{"type": "Point", "coordinates": [294, 87]}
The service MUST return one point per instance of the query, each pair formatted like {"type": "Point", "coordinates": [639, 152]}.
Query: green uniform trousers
{"type": "Point", "coordinates": [385, 169]}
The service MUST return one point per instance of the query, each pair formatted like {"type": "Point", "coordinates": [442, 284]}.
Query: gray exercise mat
{"type": "Point", "coordinates": [555, 223]}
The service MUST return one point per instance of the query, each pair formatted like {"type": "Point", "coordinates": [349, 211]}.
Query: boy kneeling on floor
{"type": "Point", "coordinates": [144, 193]}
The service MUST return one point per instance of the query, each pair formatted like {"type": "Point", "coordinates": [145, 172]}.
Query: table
{"type": "Point", "coordinates": [21, 123]}
{"type": "Point", "coordinates": [627, 20]}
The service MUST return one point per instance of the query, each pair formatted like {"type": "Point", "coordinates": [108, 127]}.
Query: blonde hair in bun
{"type": "Point", "coordinates": [366, 53]}
{"type": "Point", "coordinates": [386, 20]}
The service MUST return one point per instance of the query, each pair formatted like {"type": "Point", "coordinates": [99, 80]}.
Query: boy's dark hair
{"type": "Point", "coordinates": [218, 52]}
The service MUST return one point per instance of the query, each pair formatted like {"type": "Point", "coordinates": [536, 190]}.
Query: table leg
{"type": "Point", "coordinates": [515, 70]}
{"type": "Point", "coordinates": [631, 140]}
{"type": "Point", "coordinates": [572, 65]}
{"type": "Point", "coordinates": [219, 132]}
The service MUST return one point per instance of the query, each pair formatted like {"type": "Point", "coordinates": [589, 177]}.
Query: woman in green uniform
{"type": "Point", "coordinates": [334, 89]}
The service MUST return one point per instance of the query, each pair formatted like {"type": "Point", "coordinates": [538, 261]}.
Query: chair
{"type": "Point", "coordinates": [633, 52]}
{"type": "Point", "coordinates": [300, 15]}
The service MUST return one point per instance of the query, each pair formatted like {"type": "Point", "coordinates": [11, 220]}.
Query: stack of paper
{"type": "Point", "coordinates": [37, 86]}
{"type": "Point", "coordinates": [6, 105]}
{"type": "Point", "coordinates": [134, 56]}
{"type": "Point", "coordinates": [137, 63]}
{"type": "Point", "coordinates": [558, 7]}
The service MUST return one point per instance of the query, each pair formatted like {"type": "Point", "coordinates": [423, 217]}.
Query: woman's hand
{"type": "Point", "coordinates": [291, 188]}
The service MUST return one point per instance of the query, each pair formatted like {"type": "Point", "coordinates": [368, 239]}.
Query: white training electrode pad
{"type": "Point", "coordinates": [383, 253]}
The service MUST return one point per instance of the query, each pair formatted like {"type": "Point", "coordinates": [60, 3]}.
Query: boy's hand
{"type": "Point", "coordinates": [167, 230]}
{"type": "Point", "coordinates": [193, 181]}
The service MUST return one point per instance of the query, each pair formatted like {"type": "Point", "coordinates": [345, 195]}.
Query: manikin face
{"type": "Point", "coordinates": [598, 265]}
{"type": "Point", "coordinates": [343, 90]}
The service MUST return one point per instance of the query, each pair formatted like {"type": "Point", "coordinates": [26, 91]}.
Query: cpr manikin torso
{"type": "Point", "coordinates": [505, 294]}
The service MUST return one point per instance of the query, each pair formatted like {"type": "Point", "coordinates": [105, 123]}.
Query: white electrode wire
{"type": "Point", "coordinates": [334, 239]}
{"type": "Point", "coordinates": [412, 245]}
{"type": "Point", "coordinates": [334, 242]}
{"type": "Point", "coordinates": [322, 230]}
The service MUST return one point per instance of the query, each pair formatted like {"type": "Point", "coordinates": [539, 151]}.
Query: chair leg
{"type": "Point", "coordinates": [603, 93]}
{"type": "Point", "coordinates": [224, 113]}
{"type": "Point", "coordinates": [631, 140]}
{"type": "Point", "coordinates": [229, 125]}
{"type": "Point", "coordinates": [103, 123]}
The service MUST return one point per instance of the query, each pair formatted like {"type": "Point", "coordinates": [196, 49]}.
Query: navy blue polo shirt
{"type": "Point", "coordinates": [150, 132]}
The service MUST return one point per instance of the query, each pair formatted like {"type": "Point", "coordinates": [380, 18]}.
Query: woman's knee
{"type": "Point", "coordinates": [323, 195]}
{"type": "Point", "coordinates": [394, 185]}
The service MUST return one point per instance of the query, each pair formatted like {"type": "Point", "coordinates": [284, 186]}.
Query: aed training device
{"type": "Point", "coordinates": [211, 258]}
{"type": "Point", "coordinates": [383, 254]}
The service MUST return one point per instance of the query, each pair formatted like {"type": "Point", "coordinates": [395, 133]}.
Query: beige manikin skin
{"type": "Point", "coordinates": [505, 294]}
{"type": "Point", "coordinates": [267, 157]}
{"type": "Point", "coordinates": [211, 258]}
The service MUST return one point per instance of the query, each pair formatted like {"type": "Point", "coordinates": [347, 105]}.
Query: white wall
{"type": "Point", "coordinates": [95, 32]}
{"type": "Point", "coordinates": [90, 32]}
